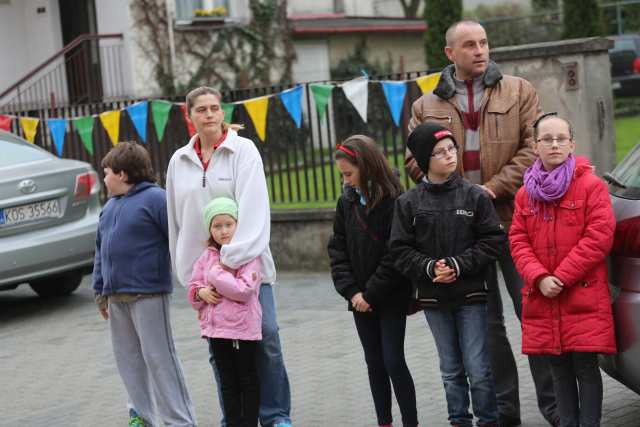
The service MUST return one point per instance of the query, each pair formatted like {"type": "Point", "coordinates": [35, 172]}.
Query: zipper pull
{"type": "Point", "coordinates": [204, 178]}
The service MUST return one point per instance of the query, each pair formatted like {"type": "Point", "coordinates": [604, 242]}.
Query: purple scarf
{"type": "Point", "coordinates": [545, 187]}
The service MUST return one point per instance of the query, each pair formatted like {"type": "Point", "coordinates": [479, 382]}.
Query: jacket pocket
{"type": "Point", "coordinates": [582, 297]}
{"type": "Point", "coordinates": [443, 118]}
{"type": "Point", "coordinates": [233, 315]}
{"type": "Point", "coordinates": [502, 121]}
{"type": "Point", "coordinates": [568, 212]}
{"type": "Point", "coordinates": [534, 304]}
{"type": "Point", "coordinates": [425, 225]}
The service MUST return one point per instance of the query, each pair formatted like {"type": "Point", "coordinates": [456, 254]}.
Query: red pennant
{"type": "Point", "coordinates": [187, 119]}
{"type": "Point", "coordinates": [5, 123]}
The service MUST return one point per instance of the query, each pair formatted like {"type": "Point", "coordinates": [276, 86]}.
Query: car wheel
{"type": "Point", "coordinates": [57, 286]}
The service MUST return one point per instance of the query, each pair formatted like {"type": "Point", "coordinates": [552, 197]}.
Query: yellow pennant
{"type": "Point", "coordinates": [429, 82]}
{"type": "Point", "coordinates": [29, 127]}
{"type": "Point", "coordinates": [111, 122]}
{"type": "Point", "coordinates": [257, 109]}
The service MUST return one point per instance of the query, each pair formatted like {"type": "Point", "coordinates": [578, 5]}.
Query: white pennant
{"type": "Point", "coordinates": [357, 92]}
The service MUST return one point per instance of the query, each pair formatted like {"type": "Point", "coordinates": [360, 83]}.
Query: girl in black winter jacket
{"type": "Point", "coordinates": [363, 273]}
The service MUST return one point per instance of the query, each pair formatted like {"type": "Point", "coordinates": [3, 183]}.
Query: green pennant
{"type": "Point", "coordinates": [228, 111]}
{"type": "Point", "coordinates": [84, 126]}
{"type": "Point", "coordinates": [321, 95]}
{"type": "Point", "coordinates": [160, 111]}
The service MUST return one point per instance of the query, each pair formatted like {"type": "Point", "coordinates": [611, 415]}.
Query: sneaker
{"type": "Point", "coordinates": [135, 420]}
{"type": "Point", "coordinates": [282, 424]}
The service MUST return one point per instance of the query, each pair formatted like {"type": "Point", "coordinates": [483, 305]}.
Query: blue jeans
{"type": "Point", "coordinates": [382, 338]}
{"type": "Point", "coordinates": [275, 395]}
{"type": "Point", "coordinates": [461, 339]}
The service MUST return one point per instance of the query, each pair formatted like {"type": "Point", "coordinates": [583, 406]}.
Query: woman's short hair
{"type": "Point", "coordinates": [133, 159]}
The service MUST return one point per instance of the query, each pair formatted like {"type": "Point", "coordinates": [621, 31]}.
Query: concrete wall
{"type": "Point", "coordinates": [299, 238]}
{"type": "Point", "coordinates": [587, 101]}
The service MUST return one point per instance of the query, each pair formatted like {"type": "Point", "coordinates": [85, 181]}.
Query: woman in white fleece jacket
{"type": "Point", "coordinates": [218, 163]}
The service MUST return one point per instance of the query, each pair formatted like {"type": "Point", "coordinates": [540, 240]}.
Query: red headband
{"type": "Point", "coordinates": [346, 150]}
{"type": "Point", "coordinates": [441, 134]}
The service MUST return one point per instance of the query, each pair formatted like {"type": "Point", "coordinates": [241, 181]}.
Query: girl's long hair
{"type": "Point", "coordinates": [377, 180]}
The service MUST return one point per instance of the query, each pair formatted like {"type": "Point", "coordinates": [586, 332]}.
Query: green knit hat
{"type": "Point", "coordinates": [219, 206]}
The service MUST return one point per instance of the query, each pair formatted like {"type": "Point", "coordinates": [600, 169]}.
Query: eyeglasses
{"type": "Point", "coordinates": [548, 140]}
{"type": "Point", "coordinates": [442, 153]}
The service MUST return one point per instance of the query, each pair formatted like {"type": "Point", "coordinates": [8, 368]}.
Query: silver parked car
{"type": "Point", "coordinates": [49, 209]}
{"type": "Point", "coordinates": [624, 187]}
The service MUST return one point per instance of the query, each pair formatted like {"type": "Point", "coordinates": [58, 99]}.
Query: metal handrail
{"type": "Point", "coordinates": [74, 43]}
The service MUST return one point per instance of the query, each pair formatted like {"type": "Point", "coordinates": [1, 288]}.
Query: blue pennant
{"type": "Point", "coordinates": [138, 114]}
{"type": "Point", "coordinates": [395, 93]}
{"type": "Point", "coordinates": [292, 100]}
{"type": "Point", "coordinates": [58, 128]}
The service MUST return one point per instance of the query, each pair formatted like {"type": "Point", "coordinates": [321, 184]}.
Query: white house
{"type": "Point", "coordinates": [34, 31]}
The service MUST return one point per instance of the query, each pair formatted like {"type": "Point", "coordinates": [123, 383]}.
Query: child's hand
{"type": "Point", "coordinates": [444, 273]}
{"type": "Point", "coordinates": [209, 295]}
{"type": "Point", "coordinates": [359, 303]}
{"type": "Point", "coordinates": [550, 286]}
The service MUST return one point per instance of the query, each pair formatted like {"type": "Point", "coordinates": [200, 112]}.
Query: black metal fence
{"type": "Point", "coordinates": [298, 162]}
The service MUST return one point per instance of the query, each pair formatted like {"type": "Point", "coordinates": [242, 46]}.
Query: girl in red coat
{"type": "Point", "coordinates": [562, 231]}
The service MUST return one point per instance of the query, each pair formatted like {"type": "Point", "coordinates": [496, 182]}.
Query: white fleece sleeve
{"type": "Point", "coordinates": [172, 216]}
{"type": "Point", "coordinates": [251, 238]}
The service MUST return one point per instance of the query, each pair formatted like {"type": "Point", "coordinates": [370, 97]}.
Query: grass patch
{"type": "Point", "coordinates": [627, 135]}
{"type": "Point", "coordinates": [320, 186]}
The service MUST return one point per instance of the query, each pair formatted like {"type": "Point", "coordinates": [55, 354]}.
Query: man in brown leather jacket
{"type": "Point", "coordinates": [490, 115]}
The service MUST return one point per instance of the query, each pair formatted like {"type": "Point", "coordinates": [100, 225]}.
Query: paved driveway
{"type": "Point", "coordinates": [57, 368]}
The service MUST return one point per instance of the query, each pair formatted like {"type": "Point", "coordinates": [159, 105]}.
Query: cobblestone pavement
{"type": "Point", "coordinates": [57, 368]}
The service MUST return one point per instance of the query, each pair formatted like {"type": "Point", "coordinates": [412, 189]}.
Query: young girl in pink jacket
{"type": "Point", "coordinates": [232, 324]}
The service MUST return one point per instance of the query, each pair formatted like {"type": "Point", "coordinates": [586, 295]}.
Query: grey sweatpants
{"type": "Point", "coordinates": [147, 360]}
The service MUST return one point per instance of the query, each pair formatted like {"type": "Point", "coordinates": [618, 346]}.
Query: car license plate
{"type": "Point", "coordinates": [615, 85]}
{"type": "Point", "coordinates": [30, 212]}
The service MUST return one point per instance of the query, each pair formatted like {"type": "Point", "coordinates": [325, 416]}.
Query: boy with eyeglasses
{"type": "Point", "coordinates": [445, 234]}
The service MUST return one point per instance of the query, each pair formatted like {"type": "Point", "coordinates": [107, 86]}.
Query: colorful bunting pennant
{"type": "Point", "coordinates": [292, 101]}
{"type": "Point", "coordinates": [5, 123]}
{"type": "Point", "coordinates": [160, 111]}
{"type": "Point", "coordinates": [29, 128]}
{"type": "Point", "coordinates": [257, 109]}
{"type": "Point", "coordinates": [190, 127]}
{"type": "Point", "coordinates": [58, 128]}
{"type": "Point", "coordinates": [321, 95]}
{"type": "Point", "coordinates": [228, 111]}
{"type": "Point", "coordinates": [138, 114]}
{"type": "Point", "coordinates": [84, 126]}
{"type": "Point", "coordinates": [395, 92]}
{"type": "Point", "coordinates": [429, 82]}
{"type": "Point", "coordinates": [111, 123]}
{"type": "Point", "coordinates": [357, 92]}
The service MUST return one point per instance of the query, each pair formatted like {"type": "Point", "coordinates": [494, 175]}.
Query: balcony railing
{"type": "Point", "coordinates": [89, 69]}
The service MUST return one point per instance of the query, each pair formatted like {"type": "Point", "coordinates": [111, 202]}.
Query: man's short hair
{"type": "Point", "coordinates": [131, 158]}
{"type": "Point", "coordinates": [450, 35]}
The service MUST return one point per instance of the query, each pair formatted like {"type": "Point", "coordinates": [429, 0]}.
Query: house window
{"type": "Point", "coordinates": [186, 10]}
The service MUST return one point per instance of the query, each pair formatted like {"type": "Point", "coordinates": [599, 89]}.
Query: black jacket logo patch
{"type": "Point", "coordinates": [464, 212]}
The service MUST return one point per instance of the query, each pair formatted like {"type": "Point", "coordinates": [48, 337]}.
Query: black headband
{"type": "Point", "coordinates": [542, 117]}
